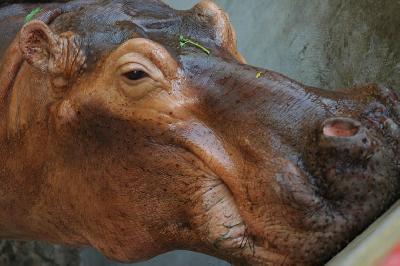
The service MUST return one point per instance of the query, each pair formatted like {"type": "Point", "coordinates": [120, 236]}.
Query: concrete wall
{"type": "Point", "coordinates": [323, 43]}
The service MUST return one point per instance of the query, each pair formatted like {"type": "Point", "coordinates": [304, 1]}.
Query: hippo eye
{"type": "Point", "coordinates": [135, 75]}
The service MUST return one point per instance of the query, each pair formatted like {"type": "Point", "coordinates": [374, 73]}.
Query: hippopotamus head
{"type": "Point", "coordinates": [151, 133]}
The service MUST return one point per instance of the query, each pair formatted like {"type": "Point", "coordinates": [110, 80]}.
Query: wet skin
{"type": "Point", "coordinates": [113, 135]}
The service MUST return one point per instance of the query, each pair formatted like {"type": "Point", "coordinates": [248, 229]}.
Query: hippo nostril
{"type": "Point", "coordinates": [341, 127]}
{"type": "Point", "coordinates": [345, 136]}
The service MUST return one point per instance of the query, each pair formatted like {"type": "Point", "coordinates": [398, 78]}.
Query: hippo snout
{"type": "Point", "coordinates": [356, 163]}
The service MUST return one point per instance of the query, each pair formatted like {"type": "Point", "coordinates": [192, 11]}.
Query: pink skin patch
{"type": "Point", "coordinates": [340, 128]}
{"type": "Point", "coordinates": [393, 258]}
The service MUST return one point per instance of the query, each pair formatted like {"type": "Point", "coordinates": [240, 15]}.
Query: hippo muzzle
{"type": "Point", "coordinates": [314, 167]}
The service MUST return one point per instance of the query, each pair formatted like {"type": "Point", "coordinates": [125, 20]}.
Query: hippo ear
{"type": "Point", "coordinates": [38, 44]}
{"type": "Point", "coordinates": [225, 35]}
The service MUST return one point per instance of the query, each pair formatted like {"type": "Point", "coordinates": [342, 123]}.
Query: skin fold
{"type": "Point", "coordinates": [116, 136]}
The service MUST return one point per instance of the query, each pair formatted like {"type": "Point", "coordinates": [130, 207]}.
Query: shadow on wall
{"type": "Point", "coordinates": [322, 43]}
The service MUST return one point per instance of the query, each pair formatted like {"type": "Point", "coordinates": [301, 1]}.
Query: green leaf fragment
{"type": "Point", "coordinates": [184, 41]}
{"type": "Point", "coordinates": [258, 75]}
{"type": "Point", "coordinates": [32, 14]}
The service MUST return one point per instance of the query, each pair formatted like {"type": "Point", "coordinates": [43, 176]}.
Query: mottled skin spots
{"type": "Point", "coordinates": [114, 136]}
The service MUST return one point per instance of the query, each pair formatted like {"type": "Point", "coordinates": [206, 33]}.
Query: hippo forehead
{"type": "Point", "coordinates": [104, 25]}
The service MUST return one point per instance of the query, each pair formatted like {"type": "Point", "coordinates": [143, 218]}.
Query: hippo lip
{"type": "Point", "coordinates": [226, 230]}
{"type": "Point", "coordinates": [330, 223]}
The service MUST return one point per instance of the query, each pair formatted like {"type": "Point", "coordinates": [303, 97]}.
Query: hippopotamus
{"type": "Point", "coordinates": [138, 129]}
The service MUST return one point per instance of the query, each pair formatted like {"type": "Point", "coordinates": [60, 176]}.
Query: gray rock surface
{"type": "Point", "coordinates": [19, 253]}
{"type": "Point", "coordinates": [90, 257]}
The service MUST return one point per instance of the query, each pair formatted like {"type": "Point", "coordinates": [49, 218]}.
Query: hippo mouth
{"type": "Point", "coordinates": [309, 229]}
{"type": "Point", "coordinates": [226, 230]}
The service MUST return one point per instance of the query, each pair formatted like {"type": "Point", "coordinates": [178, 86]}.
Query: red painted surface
{"type": "Point", "coordinates": [393, 258]}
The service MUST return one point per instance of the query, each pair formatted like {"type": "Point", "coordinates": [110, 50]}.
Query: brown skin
{"type": "Point", "coordinates": [114, 136]}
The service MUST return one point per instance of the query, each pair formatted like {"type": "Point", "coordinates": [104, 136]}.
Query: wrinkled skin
{"type": "Point", "coordinates": [114, 136]}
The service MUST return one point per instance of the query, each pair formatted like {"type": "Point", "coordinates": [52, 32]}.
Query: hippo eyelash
{"type": "Point", "coordinates": [135, 75]}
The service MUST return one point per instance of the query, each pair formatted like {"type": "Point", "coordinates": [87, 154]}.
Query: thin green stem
{"type": "Point", "coordinates": [184, 41]}
{"type": "Point", "coordinates": [32, 14]}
